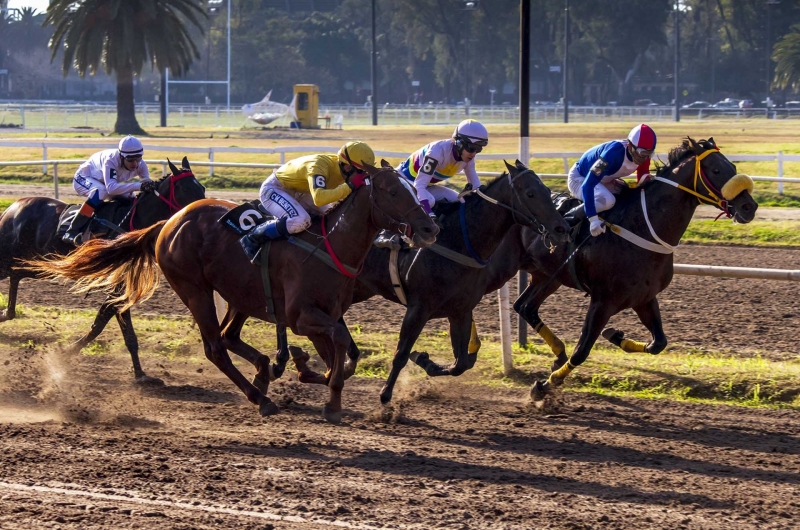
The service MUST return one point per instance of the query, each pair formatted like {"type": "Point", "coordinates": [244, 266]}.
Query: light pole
{"type": "Point", "coordinates": [677, 66]}
{"type": "Point", "coordinates": [374, 70]}
{"type": "Point", "coordinates": [491, 96]}
{"type": "Point", "coordinates": [566, 61]}
{"type": "Point", "coordinates": [524, 123]}
{"type": "Point", "coordinates": [770, 3]}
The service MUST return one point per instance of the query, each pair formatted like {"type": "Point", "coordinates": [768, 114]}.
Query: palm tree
{"type": "Point", "coordinates": [786, 55]}
{"type": "Point", "coordinates": [123, 35]}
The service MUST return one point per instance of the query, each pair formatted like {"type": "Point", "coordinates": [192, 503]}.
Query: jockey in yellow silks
{"type": "Point", "coordinates": [313, 183]}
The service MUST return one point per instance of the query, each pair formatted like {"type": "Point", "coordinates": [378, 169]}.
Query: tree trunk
{"type": "Point", "coordinates": [126, 112]}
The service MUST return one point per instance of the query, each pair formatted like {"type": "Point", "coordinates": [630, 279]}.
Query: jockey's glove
{"type": "Point", "coordinates": [147, 185]}
{"type": "Point", "coordinates": [596, 226]}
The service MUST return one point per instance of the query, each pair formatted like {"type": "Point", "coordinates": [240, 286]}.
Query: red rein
{"type": "Point", "coordinates": [332, 254]}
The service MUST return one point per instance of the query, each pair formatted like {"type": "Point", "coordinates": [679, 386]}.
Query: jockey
{"type": "Point", "coordinates": [313, 183]}
{"type": "Point", "coordinates": [440, 160]}
{"type": "Point", "coordinates": [596, 176]}
{"type": "Point", "coordinates": [107, 174]}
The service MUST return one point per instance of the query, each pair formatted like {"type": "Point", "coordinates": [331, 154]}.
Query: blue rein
{"type": "Point", "coordinates": [471, 251]}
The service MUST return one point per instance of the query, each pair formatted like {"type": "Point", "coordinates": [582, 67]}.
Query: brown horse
{"type": "Point", "coordinates": [619, 274]}
{"type": "Point", "coordinates": [198, 256]}
{"type": "Point", "coordinates": [28, 230]}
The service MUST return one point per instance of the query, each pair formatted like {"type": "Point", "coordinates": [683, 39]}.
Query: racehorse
{"type": "Point", "coordinates": [630, 264]}
{"type": "Point", "coordinates": [28, 231]}
{"type": "Point", "coordinates": [198, 256]}
{"type": "Point", "coordinates": [436, 286]}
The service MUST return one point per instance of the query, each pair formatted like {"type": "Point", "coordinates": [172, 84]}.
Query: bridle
{"type": "Point", "coordinates": [169, 200]}
{"type": "Point", "coordinates": [395, 225]}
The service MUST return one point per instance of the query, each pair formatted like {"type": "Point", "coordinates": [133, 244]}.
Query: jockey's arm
{"type": "Point", "coordinates": [594, 177]}
{"type": "Point", "coordinates": [321, 195]}
{"type": "Point", "coordinates": [113, 187]}
{"type": "Point", "coordinates": [472, 175]}
{"type": "Point", "coordinates": [421, 184]}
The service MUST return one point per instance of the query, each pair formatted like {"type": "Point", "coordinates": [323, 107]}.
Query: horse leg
{"type": "Point", "coordinates": [353, 353]}
{"type": "Point", "coordinates": [104, 315]}
{"type": "Point", "coordinates": [461, 328]}
{"type": "Point", "coordinates": [597, 317]}
{"type": "Point", "coordinates": [413, 323]}
{"type": "Point", "coordinates": [132, 343]}
{"type": "Point", "coordinates": [282, 357]}
{"type": "Point", "coordinates": [528, 304]}
{"type": "Point", "coordinates": [331, 340]}
{"type": "Point", "coordinates": [201, 305]}
{"type": "Point", "coordinates": [11, 309]}
{"type": "Point", "coordinates": [232, 325]}
{"type": "Point", "coordinates": [649, 315]}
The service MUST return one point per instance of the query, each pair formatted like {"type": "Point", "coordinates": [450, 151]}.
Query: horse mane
{"type": "Point", "coordinates": [446, 208]}
{"type": "Point", "coordinates": [688, 147]}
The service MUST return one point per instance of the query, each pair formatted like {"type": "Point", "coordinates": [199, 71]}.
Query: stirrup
{"type": "Point", "coordinates": [391, 242]}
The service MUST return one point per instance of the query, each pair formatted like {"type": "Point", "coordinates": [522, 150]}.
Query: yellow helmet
{"type": "Point", "coordinates": [356, 154]}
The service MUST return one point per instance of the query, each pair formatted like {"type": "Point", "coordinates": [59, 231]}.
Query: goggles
{"type": "Point", "coordinates": [133, 158]}
{"type": "Point", "coordinates": [644, 153]}
{"type": "Point", "coordinates": [473, 148]}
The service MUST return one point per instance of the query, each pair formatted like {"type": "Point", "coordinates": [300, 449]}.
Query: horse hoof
{"type": "Point", "coordinates": [614, 336]}
{"type": "Point", "coordinates": [275, 372]}
{"type": "Point", "coordinates": [349, 369]}
{"type": "Point", "coordinates": [539, 391]}
{"type": "Point", "coordinates": [386, 396]}
{"type": "Point", "coordinates": [332, 416]}
{"type": "Point", "coordinates": [268, 408]}
{"type": "Point", "coordinates": [146, 380]}
{"type": "Point", "coordinates": [4, 316]}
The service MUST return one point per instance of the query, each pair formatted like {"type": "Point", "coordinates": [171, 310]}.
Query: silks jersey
{"type": "Point", "coordinates": [438, 161]}
{"type": "Point", "coordinates": [318, 175]}
{"type": "Point", "coordinates": [106, 166]}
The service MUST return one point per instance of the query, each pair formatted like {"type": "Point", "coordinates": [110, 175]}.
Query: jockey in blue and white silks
{"type": "Point", "coordinates": [595, 177]}
{"type": "Point", "coordinates": [439, 161]}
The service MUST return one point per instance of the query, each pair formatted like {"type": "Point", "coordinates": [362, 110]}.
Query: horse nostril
{"type": "Point", "coordinates": [560, 230]}
{"type": "Point", "coordinates": [747, 207]}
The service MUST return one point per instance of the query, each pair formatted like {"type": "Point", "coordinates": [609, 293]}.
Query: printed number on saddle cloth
{"type": "Point", "coordinates": [429, 165]}
{"type": "Point", "coordinates": [243, 218]}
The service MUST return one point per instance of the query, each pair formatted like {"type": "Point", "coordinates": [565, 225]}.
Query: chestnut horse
{"type": "Point", "coordinates": [28, 230]}
{"type": "Point", "coordinates": [198, 256]}
{"type": "Point", "coordinates": [619, 274]}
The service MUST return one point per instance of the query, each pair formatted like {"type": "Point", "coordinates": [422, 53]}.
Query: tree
{"type": "Point", "coordinates": [786, 54]}
{"type": "Point", "coordinates": [124, 35]}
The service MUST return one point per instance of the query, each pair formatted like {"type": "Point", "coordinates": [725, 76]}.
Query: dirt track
{"type": "Point", "coordinates": [740, 316]}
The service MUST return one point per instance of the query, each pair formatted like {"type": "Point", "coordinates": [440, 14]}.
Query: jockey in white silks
{"type": "Point", "coordinates": [596, 176]}
{"type": "Point", "coordinates": [108, 174]}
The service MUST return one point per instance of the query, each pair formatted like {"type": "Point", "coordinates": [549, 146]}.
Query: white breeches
{"type": "Point", "coordinates": [603, 193]}
{"type": "Point", "coordinates": [83, 185]}
{"type": "Point", "coordinates": [295, 205]}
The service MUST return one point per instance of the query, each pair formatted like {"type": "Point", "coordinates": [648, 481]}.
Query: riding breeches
{"type": "Point", "coordinates": [295, 205]}
{"type": "Point", "coordinates": [435, 193]}
{"type": "Point", "coordinates": [83, 185]}
{"type": "Point", "coordinates": [603, 193]}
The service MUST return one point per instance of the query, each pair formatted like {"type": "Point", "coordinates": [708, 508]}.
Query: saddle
{"type": "Point", "coordinates": [106, 222]}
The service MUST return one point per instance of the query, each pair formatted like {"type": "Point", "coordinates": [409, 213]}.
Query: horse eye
{"type": "Point", "coordinates": [715, 171]}
{"type": "Point", "coordinates": [393, 193]}
{"type": "Point", "coordinates": [530, 194]}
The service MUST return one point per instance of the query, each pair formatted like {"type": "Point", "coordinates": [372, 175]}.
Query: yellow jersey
{"type": "Point", "coordinates": [318, 175]}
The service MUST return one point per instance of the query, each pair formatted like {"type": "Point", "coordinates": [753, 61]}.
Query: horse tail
{"type": "Point", "coordinates": [125, 267]}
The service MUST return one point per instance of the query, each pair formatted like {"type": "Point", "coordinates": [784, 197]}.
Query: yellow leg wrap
{"type": "Point", "coordinates": [557, 377]}
{"type": "Point", "coordinates": [556, 345]}
{"type": "Point", "coordinates": [474, 341]}
{"type": "Point", "coordinates": [632, 346]}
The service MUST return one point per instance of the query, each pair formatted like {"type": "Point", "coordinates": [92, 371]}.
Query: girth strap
{"type": "Point", "coordinates": [265, 278]}
{"type": "Point", "coordinates": [394, 274]}
{"type": "Point", "coordinates": [324, 257]}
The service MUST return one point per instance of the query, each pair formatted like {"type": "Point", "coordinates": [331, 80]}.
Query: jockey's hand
{"type": "Point", "coordinates": [148, 185]}
{"type": "Point", "coordinates": [596, 226]}
{"type": "Point", "coordinates": [358, 180]}
{"type": "Point", "coordinates": [426, 205]}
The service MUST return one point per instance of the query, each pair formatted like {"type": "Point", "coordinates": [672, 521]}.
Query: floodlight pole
{"type": "Point", "coordinates": [524, 122]}
{"type": "Point", "coordinates": [229, 55]}
{"type": "Point", "coordinates": [374, 71]}
{"type": "Point", "coordinates": [677, 66]}
{"type": "Point", "coordinates": [566, 61]}
{"type": "Point", "coordinates": [162, 101]}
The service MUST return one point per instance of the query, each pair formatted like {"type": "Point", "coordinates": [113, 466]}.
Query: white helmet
{"type": "Point", "coordinates": [131, 147]}
{"type": "Point", "coordinates": [471, 132]}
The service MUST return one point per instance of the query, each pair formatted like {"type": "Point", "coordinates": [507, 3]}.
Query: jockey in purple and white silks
{"type": "Point", "coordinates": [439, 161]}
{"type": "Point", "coordinates": [596, 176]}
{"type": "Point", "coordinates": [108, 173]}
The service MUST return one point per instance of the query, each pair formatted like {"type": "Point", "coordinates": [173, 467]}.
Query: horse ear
{"type": "Point", "coordinates": [712, 142]}
{"type": "Point", "coordinates": [172, 167]}
{"type": "Point", "coordinates": [520, 165]}
{"type": "Point", "coordinates": [694, 146]}
{"type": "Point", "coordinates": [385, 164]}
{"type": "Point", "coordinates": [511, 169]}
{"type": "Point", "coordinates": [185, 163]}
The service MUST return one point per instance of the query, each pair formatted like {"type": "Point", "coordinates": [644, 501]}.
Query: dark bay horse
{"type": "Point", "coordinates": [438, 287]}
{"type": "Point", "coordinates": [618, 274]}
{"type": "Point", "coordinates": [198, 256]}
{"type": "Point", "coordinates": [28, 231]}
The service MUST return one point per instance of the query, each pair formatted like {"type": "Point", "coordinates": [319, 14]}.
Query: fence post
{"type": "Point", "coordinates": [44, 157]}
{"type": "Point", "coordinates": [566, 166]}
{"type": "Point", "coordinates": [283, 157]}
{"type": "Point", "coordinates": [22, 115]}
{"type": "Point", "coordinates": [55, 178]}
{"type": "Point", "coordinates": [163, 169]}
{"type": "Point", "coordinates": [211, 159]}
{"type": "Point", "coordinates": [505, 329]}
{"type": "Point", "coordinates": [780, 172]}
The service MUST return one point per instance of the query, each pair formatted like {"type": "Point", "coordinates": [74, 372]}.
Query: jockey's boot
{"type": "Point", "coordinates": [388, 240]}
{"type": "Point", "coordinates": [266, 231]}
{"type": "Point", "coordinates": [575, 216]}
{"type": "Point", "coordinates": [74, 233]}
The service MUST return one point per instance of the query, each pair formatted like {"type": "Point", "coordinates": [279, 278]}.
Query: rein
{"type": "Point", "coordinates": [170, 201]}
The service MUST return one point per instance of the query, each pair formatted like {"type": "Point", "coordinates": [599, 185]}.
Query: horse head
{"type": "Point", "coordinates": [398, 208]}
{"type": "Point", "coordinates": [715, 177]}
{"type": "Point", "coordinates": [180, 187]}
{"type": "Point", "coordinates": [531, 203]}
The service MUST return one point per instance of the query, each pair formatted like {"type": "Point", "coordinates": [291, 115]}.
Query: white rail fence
{"type": "Point", "coordinates": [780, 158]}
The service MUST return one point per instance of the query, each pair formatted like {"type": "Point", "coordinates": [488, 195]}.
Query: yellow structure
{"type": "Point", "coordinates": [307, 105]}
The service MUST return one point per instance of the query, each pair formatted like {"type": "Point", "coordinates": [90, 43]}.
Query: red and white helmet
{"type": "Point", "coordinates": [643, 137]}
{"type": "Point", "coordinates": [472, 132]}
